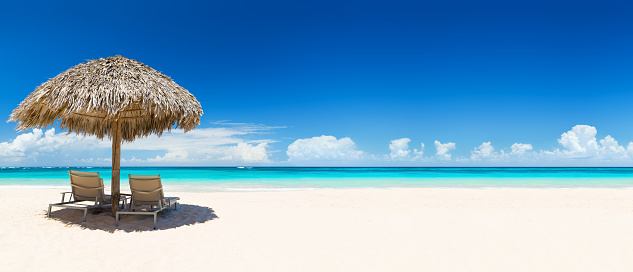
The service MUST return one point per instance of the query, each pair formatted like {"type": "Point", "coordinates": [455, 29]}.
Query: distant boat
{"type": "Point", "coordinates": [240, 167]}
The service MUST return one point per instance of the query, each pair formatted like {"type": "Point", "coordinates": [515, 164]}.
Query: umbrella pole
{"type": "Point", "coordinates": [116, 166]}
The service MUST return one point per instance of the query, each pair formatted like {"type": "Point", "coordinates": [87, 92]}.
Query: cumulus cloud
{"type": "Point", "coordinates": [579, 146]}
{"type": "Point", "coordinates": [400, 150]}
{"type": "Point", "coordinates": [203, 146]}
{"type": "Point", "coordinates": [609, 148]}
{"type": "Point", "coordinates": [324, 148]}
{"type": "Point", "coordinates": [171, 156]}
{"type": "Point", "coordinates": [486, 152]}
{"type": "Point", "coordinates": [247, 153]}
{"type": "Point", "coordinates": [520, 149]}
{"type": "Point", "coordinates": [32, 144]}
{"type": "Point", "coordinates": [234, 143]}
{"type": "Point", "coordinates": [580, 142]}
{"type": "Point", "coordinates": [443, 150]}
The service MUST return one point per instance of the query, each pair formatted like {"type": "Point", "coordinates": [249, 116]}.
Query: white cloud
{"type": "Point", "coordinates": [211, 145]}
{"type": "Point", "coordinates": [198, 138]}
{"type": "Point", "coordinates": [419, 153]}
{"type": "Point", "coordinates": [629, 150]}
{"type": "Point", "coordinates": [486, 152]}
{"type": "Point", "coordinates": [443, 150]}
{"type": "Point", "coordinates": [579, 147]}
{"type": "Point", "coordinates": [324, 148]}
{"type": "Point", "coordinates": [400, 149]}
{"type": "Point", "coordinates": [243, 144]}
{"type": "Point", "coordinates": [520, 149]}
{"type": "Point", "coordinates": [31, 145]}
{"type": "Point", "coordinates": [247, 153]}
{"type": "Point", "coordinates": [203, 146]}
{"type": "Point", "coordinates": [171, 156]}
{"type": "Point", "coordinates": [581, 143]}
{"type": "Point", "coordinates": [609, 148]}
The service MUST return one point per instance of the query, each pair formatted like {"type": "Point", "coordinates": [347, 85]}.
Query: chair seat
{"type": "Point", "coordinates": [106, 198]}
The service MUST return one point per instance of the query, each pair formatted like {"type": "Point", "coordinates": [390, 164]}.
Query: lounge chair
{"type": "Point", "coordinates": [147, 190]}
{"type": "Point", "coordinates": [87, 193]}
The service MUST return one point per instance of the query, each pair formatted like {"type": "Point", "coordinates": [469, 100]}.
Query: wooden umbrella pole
{"type": "Point", "coordinates": [116, 165]}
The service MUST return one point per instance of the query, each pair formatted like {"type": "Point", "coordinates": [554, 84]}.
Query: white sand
{"type": "Point", "coordinates": [331, 230]}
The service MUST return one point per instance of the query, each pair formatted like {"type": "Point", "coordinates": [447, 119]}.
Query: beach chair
{"type": "Point", "coordinates": [87, 193]}
{"type": "Point", "coordinates": [147, 197]}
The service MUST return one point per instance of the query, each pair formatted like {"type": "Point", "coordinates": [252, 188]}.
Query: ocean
{"type": "Point", "coordinates": [307, 178]}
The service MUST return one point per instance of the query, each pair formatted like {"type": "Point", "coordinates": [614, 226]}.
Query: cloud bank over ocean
{"type": "Point", "coordinates": [243, 144]}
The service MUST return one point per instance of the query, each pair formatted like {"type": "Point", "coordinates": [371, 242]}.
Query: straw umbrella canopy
{"type": "Point", "coordinates": [115, 97]}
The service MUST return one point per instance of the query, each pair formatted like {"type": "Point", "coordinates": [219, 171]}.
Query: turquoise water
{"type": "Point", "coordinates": [292, 178]}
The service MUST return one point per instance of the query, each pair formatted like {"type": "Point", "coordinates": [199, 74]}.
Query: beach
{"type": "Point", "coordinates": [398, 229]}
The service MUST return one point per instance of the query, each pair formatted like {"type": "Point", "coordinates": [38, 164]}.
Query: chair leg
{"type": "Point", "coordinates": [155, 220]}
{"type": "Point", "coordinates": [49, 211]}
{"type": "Point", "coordinates": [85, 214]}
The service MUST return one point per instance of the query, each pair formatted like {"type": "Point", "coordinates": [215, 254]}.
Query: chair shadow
{"type": "Point", "coordinates": [102, 219]}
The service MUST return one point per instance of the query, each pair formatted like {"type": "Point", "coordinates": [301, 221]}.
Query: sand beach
{"type": "Point", "coordinates": [413, 229]}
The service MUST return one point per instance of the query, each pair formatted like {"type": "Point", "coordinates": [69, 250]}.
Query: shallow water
{"type": "Point", "coordinates": [301, 178]}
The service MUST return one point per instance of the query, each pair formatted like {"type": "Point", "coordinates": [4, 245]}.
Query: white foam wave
{"type": "Point", "coordinates": [270, 189]}
{"type": "Point", "coordinates": [65, 187]}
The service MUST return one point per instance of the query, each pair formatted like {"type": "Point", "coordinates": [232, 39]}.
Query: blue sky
{"type": "Point", "coordinates": [338, 82]}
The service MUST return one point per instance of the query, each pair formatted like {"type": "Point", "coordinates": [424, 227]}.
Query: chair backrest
{"type": "Point", "coordinates": [86, 186]}
{"type": "Point", "coordinates": [146, 190]}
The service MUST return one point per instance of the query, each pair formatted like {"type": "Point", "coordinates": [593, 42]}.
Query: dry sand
{"type": "Point", "coordinates": [331, 230]}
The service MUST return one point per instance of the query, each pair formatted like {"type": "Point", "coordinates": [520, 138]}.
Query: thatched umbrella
{"type": "Point", "coordinates": [113, 97]}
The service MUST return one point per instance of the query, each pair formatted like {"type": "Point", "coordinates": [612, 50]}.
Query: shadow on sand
{"type": "Point", "coordinates": [102, 219]}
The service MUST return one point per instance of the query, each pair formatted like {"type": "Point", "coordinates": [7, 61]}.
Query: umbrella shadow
{"type": "Point", "coordinates": [102, 219]}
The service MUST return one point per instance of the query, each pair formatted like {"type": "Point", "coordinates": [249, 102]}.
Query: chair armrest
{"type": "Point", "coordinates": [64, 196]}
{"type": "Point", "coordinates": [125, 198]}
